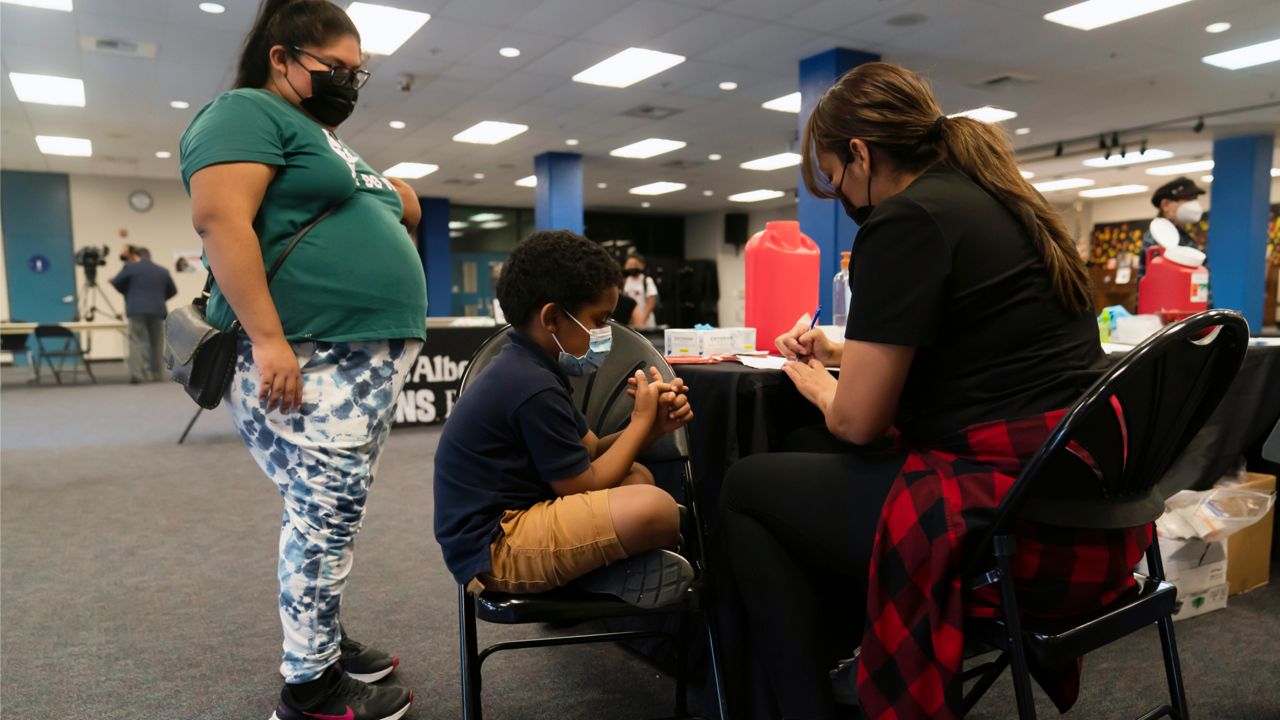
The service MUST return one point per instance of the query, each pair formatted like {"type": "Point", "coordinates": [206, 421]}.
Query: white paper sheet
{"type": "Point", "coordinates": [766, 362]}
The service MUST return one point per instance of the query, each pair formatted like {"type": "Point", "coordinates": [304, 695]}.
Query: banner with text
{"type": "Point", "coordinates": [432, 388]}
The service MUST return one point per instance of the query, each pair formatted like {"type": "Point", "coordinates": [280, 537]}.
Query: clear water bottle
{"type": "Point", "coordinates": [840, 293]}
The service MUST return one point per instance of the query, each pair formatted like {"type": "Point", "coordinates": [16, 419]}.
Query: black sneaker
{"type": "Point", "coordinates": [345, 699]}
{"type": "Point", "coordinates": [647, 580]}
{"type": "Point", "coordinates": [364, 663]}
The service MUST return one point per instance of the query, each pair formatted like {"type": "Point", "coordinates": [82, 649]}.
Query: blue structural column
{"type": "Point", "coordinates": [436, 249]}
{"type": "Point", "coordinates": [1238, 215]}
{"type": "Point", "coordinates": [559, 194]}
{"type": "Point", "coordinates": [825, 220]}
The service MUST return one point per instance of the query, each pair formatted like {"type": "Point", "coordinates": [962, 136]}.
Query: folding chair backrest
{"type": "Point", "coordinates": [1100, 465]}
{"type": "Point", "coordinates": [46, 332]}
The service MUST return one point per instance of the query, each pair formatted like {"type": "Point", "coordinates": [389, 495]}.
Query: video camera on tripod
{"type": "Point", "coordinates": [91, 258]}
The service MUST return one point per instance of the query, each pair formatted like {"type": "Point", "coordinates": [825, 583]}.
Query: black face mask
{"type": "Point", "coordinates": [858, 213]}
{"type": "Point", "coordinates": [633, 272]}
{"type": "Point", "coordinates": [330, 103]}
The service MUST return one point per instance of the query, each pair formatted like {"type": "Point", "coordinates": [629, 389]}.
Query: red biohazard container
{"type": "Point", "coordinates": [783, 269]}
{"type": "Point", "coordinates": [1176, 284]}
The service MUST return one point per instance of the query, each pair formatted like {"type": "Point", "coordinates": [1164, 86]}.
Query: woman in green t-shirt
{"type": "Point", "coordinates": [329, 343]}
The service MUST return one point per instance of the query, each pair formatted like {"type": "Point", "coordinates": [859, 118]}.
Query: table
{"type": "Point", "coordinates": [78, 326]}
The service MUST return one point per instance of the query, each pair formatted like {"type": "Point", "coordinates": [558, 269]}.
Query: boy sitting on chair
{"type": "Point", "coordinates": [527, 498]}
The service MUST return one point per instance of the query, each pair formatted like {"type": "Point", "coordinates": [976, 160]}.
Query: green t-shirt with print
{"type": "Point", "coordinates": [356, 275]}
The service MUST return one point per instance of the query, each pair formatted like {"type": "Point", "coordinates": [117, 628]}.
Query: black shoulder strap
{"type": "Point", "coordinates": [275, 266]}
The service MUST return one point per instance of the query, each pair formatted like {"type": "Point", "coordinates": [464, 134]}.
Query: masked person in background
{"type": "Point", "coordinates": [327, 346]}
{"type": "Point", "coordinates": [640, 288]}
{"type": "Point", "coordinates": [1178, 202]}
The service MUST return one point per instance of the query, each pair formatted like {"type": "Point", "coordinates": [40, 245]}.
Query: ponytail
{"type": "Point", "coordinates": [892, 109]}
{"type": "Point", "coordinates": [288, 23]}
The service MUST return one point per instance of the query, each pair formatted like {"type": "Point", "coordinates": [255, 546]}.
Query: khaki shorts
{"type": "Point", "coordinates": [552, 543]}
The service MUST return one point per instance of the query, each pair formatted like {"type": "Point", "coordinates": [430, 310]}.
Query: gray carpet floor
{"type": "Point", "coordinates": [137, 581]}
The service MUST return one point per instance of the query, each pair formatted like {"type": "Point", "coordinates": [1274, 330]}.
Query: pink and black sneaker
{"type": "Point", "coordinates": [337, 696]}
{"type": "Point", "coordinates": [364, 663]}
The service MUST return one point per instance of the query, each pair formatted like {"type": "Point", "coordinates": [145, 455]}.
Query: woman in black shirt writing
{"type": "Point", "coordinates": [970, 329]}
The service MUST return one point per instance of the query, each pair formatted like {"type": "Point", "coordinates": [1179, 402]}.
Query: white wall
{"type": "Point", "coordinates": [4, 281]}
{"type": "Point", "coordinates": [100, 212]}
{"type": "Point", "coordinates": [704, 240]}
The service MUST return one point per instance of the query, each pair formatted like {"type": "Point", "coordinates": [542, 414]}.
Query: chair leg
{"type": "Point", "coordinates": [54, 368]}
{"type": "Point", "coordinates": [469, 660]}
{"type": "Point", "coordinates": [1004, 547]}
{"type": "Point", "coordinates": [1172, 668]}
{"type": "Point", "coordinates": [682, 668]}
{"type": "Point", "coordinates": [88, 368]}
{"type": "Point", "coordinates": [713, 655]}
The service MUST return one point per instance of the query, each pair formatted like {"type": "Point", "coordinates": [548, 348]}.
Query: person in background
{"type": "Point", "coordinates": [146, 286]}
{"type": "Point", "coordinates": [327, 346]}
{"type": "Point", "coordinates": [640, 288]}
{"type": "Point", "coordinates": [1177, 201]}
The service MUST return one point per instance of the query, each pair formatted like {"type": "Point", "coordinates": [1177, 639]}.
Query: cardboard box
{"type": "Point", "coordinates": [703, 343]}
{"type": "Point", "coordinates": [744, 339]}
{"type": "Point", "coordinates": [1198, 603]}
{"type": "Point", "coordinates": [716, 342]}
{"type": "Point", "coordinates": [680, 343]}
{"type": "Point", "coordinates": [1249, 551]}
{"type": "Point", "coordinates": [1192, 565]}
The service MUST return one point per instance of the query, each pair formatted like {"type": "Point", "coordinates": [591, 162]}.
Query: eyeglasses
{"type": "Point", "coordinates": [338, 74]}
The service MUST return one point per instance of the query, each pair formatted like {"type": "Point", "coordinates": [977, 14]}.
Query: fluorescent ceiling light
{"type": "Point", "coordinates": [728, 85]}
{"type": "Point", "coordinates": [571, 142]}
{"type": "Point", "coordinates": [1022, 131]}
{"type": "Point", "coordinates": [708, 193]}
{"type": "Point", "coordinates": [1027, 174]}
{"type": "Point", "coordinates": [1206, 178]}
{"type": "Point", "coordinates": [602, 186]}
{"type": "Point", "coordinates": [646, 204]}
{"type": "Point", "coordinates": [212, 8]}
{"type": "Point", "coordinates": [1064, 184]}
{"type": "Point", "coordinates": [485, 217]}
{"type": "Point", "coordinates": [1248, 56]}
{"type": "Point", "coordinates": [509, 52]}
{"type": "Point", "coordinates": [490, 132]}
{"type": "Point", "coordinates": [396, 124]}
{"type": "Point", "coordinates": [628, 68]}
{"type": "Point", "coordinates": [164, 154]}
{"type": "Point", "coordinates": [658, 188]}
{"type": "Point", "coordinates": [63, 5]}
{"type": "Point", "coordinates": [1217, 27]}
{"type": "Point", "coordinates": [1133, 158]}
{"type": "Point", "coordinates": [1181, 168]}
{"type": "Point", "coordinates": [410, 170]}
{"type": "Point", "coordinates": [773, 162]}
{"type": "Point", "coordinates": [647, 148]}
{"type": "Point", "coordinates": [179, 104]}
{"type": "Point", "coordinates": [478, 176]}
{"type": "Point", "coordinates": [493, 225]}
{"type": "Point", "coordinates": [528, 181]}
{"type": "Point", "coordinates": [987, 114]}
{"type": "Point", "coordinates": [384, 29]}
{"type": "Point", "coordinates": [713, 157]}
{"type": "Point", "coordinates": [456, 233]}
{"type": "Point", "coordinates": [756, 196]}
{"type": "Point", "coordinates": [48, 89]}
{"type": "Point", "coordinates": [1098, 13]}
{"type": "Point", "coordinates": [458, 224]}
{"type": "Point", "coordinates": [1113, 191]}
{"type": "Point", "coordinates": [786, 103]}
{"type": "Point", "coordinates": [69, 146]}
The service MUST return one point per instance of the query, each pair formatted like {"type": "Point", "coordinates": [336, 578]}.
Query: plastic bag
{"type": "Point", "coordinates": [1212, 514]}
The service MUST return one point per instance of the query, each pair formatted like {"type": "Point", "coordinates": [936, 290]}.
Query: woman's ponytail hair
{"type": "Point", "coordinates": [893, 110]}
{"type": "Point", "coordinates": [289, 22]}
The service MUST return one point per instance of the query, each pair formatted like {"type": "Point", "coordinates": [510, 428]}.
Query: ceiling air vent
{"type": "Point", "coordinates": [680, 165]}
{"type": "Point", "coordinates": [1007, 79]}
{"type": "Point", "coordinates": [118, 46]}
{"type": "Point", "coordinates": [651, 112]}
{"type": "Point", "coordinates": [461, 182]}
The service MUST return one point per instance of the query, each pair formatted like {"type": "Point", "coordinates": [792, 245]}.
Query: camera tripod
{"type": "Point", "coordinates": [89, 296]}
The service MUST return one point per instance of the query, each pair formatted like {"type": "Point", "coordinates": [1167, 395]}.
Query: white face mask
{"type": "Point", "coordinates": [1189, 212]}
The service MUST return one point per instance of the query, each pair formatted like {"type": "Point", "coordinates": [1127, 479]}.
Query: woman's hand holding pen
{"type": "Point", "coordinates": [803, 343]}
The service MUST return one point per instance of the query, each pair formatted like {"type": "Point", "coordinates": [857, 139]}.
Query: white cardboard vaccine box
{"type": "Point", "coordinates": [720, 341]}
{"type": "Point", "coordinates": [680, 343]}
{"type": "Point", "coordinates": [744, 339]}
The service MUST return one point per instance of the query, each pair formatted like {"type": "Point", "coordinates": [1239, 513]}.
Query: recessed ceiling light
{"type": "Point", "coordinates": [756, 196]}
{"type": "Point", "coordinates": [646, 204]}
{"type": "Point", "coordinates": [786, 103]}
{"type": "Point", "coordinates": [509, 52]}
{"type": "Point", "coordinates": [410, 170]}
{"type": "Point", "coordinates": [1248, 56]}
{"type": "Point", "coordinates": [987, 114]}
{"type": "Point", "coordinates": [485, 217]}
{"type": "Point", "coordinates": [1133, 158]}
{"type": "Point", "coordinates": [490, 132]}
{"type": "Point", "coordinates": [571, 142]}
{"type": "Point", "coordinates": [48, 89]}
{"type": "Point", "coordinates": [657, 188]}
{"type": "Point", "coordinates": [1217, 27]}
{"type": "Point", "coordinates": [1027, 174]}
{"type": "Point", "coordinates": [647, 148]}
{"type": "Point", "coordinates": [493, 225]}
{"type": "Point", "coordinates": [1275, 172]}
{"type": "Point", "coordinates": [628, 68]}
{"type": "Point", "coordinates": [1113, 191]}
{"type": "Point", "coordinates": [1064, 184]}
{"type": "Point", "coordinates": [728, 85]}
{"type": "Point", "coordinates": [602, 186]}
{"type": "Point", "coordinates": [1022, 131]}
{"type": "Point", "coordinates": [1181, 168]}
{"type": "Point", "coordinates": [384, 29]}
{"type": "Point", "coordinates": [478, 176]}
{"type": "Point", "coordinates": [1097, 13]}
{"type": "Point", "coordinates": [69, 146]}
{"type": "Point", "coordinates": [708, 193]}
{"type": "Point", "coordinates": [713, 157]}
{"type": "Point", "coordinates": [528, 181]}
{"type": "Point", "coordinates": [164, 154]}
{"type": "Point", "coordinates": [63, 5]}
{"type": "Point", "coordinates": [396, 124]}
{"type": "Point", "coordinates": [773, 162]}
{"type": "Point", "coordinates": [212, 8]}
{"type": "Point", "coordinates": [456, 233]}
{"type": "Point", "coordinates": [458, 224]}
{"type": "Point", "coordinates": [179, 104]}
{"type": "Point", "coordinates": [1206, 178]}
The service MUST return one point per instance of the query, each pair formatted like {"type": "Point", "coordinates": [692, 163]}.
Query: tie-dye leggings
{"type": "Point", "coordinates": [323, 460]}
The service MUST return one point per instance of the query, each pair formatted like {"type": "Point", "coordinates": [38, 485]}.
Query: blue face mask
{"type": "Point", "coordinates": [598, 346]}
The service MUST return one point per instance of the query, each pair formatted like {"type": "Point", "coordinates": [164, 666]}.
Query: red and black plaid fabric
{"type": "Point", "coordinates": [941, 502]}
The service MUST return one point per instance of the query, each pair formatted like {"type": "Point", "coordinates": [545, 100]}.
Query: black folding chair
{"type": "Point", "coordinates": [603, 400]}
{"type": "Point", "coordinates": [68, 348]}
{"type": "Point", "coordinates": [1098, 470]}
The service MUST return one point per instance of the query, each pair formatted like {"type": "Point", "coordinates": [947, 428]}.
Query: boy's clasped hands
{"type": "Point", "coordinates": [662, 406]}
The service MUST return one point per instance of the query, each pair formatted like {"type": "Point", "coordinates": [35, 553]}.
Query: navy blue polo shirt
{"type": "Point", "coordinates": [513, 431]}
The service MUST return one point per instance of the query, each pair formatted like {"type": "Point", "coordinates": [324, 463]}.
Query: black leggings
{"type": "Point", "coordinates": [797, 532]}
